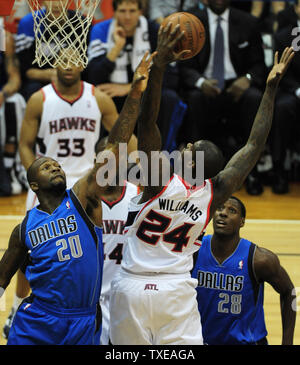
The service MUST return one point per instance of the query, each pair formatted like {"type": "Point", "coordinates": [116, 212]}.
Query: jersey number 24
{"type": "Point", "coordinates": [178, 236]}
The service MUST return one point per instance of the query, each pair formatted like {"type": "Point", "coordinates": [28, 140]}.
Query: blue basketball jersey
{"type": "Point", "coordinates": [66, 255]}
{"type": "Point", "coordinates": [229, 298]}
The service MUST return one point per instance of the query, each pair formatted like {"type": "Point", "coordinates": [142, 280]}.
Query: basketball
{"type": "Point", "coordinates": [194, 36]}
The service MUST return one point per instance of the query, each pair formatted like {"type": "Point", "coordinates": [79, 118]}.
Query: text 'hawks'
{"type": "Point", "coordinates": [64, 124]}
{"type": "Point", "coordinates": [113, 226]}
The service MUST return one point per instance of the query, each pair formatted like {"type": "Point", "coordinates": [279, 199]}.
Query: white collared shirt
{"type": "Point", "coordinates": [297, 91]}
{"type": "Point", "coordinates": [229, 72]}
{"type": "Point", "coordinates": [212, 21]}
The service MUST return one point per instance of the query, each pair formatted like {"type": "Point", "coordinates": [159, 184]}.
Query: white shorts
{"type": "Point", "coordinates": [154, 310]}
{"type": "Point", "coordinates": [104, 303]}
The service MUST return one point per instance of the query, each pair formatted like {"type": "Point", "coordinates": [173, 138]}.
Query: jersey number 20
{"type": "Point", "coordinates": [71, 247]}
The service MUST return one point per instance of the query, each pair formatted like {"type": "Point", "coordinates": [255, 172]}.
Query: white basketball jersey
{"type": "Point", "coordinates": [69, 130]}
{"type": "Point", "coordinates": [114, 216]}
{"type": "Point", "coordinates": [164, 232]}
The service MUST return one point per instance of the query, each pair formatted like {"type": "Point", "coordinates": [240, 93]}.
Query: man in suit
{"type": "Point", "coordinates": [223, 82]}
{"type": "Point", "coordinates": [116, 45]}
{"type": "Point", "coordinates": [288, 16]}
{"type": "Point", "coordinates": [286, 130]}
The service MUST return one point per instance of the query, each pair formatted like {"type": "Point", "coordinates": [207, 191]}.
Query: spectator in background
{"type": "Point", "coordinates": [245, 5]}
{"type": "Point", "coordinates": [12, 108]}
{"type": "Point", "coordinates": [116, 47]}
{"type": "Point", "coordinates": [286, 129]}
{"type": "Point", "coordinates": [267, 12]}
{"type": "Point", "coordinates": [222, 84]}
{"type": "Point", "coordinates": [159, 9]}
{"type": "Point", "coordinates": [288, 16]}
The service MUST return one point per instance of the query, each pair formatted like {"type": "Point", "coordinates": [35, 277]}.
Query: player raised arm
{"type": "Point", "coordinates": [235, 172]}
{"type": "Point", "coordinates": [267, 268]}
{"type": "Point", "coordinates": [149, 137]}
{"type": "Point", "coordinates": [87, 189]}
{"type": "Point", "coordinates": [29, 129]}
{"type": "Point", "coordinates": [110, 116]}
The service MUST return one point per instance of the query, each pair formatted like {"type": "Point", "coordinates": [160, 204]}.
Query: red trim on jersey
{"type": "Point", "coordinates": [93, 90]}
{"type": "Point", "coordinates": [189, 187]}
{"type": "Point", "coordinates": [111, 204]}
{"type": "Point", "coordinates": [209, 204]}
{"type": "Point", "coordinates": [207, 213]}
{"type": "Point", "coordinates": [66, 100]}
{"type": "Point", "coordinates": [195, 188]}
{"type": "Point", "coordinates": [44, 95]}
{"type": "Point", "coordinates": [156, 196]}
{"type": "Point", "coordinates": [198, 243]}
{"type": "Point", "coordinates": [185, 183]}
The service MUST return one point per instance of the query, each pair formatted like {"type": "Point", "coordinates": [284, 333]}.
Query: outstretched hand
{"type": "Point", "coordinates": [141, 74]}
{"type": "Point", "coordinates": [166, 43]}
{"type": "Point", "coordinates": [280, 67]}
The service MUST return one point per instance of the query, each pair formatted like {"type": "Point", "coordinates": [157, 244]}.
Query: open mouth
{"type": "Point", "coordinates": [220, 223]}
{"type": "Point", "coordinates": [56, 176]}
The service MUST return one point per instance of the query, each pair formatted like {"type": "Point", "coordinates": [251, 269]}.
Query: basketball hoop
{"type": "Point", "coordinates": [59, 25]}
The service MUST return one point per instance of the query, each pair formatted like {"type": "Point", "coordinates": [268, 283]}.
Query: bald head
{"type": "Point", "coordinates": [213, 157]}
{"type": "Point", "coordinates": [46, 174]}
{"type": "Point", "coordinates": [33, 168]}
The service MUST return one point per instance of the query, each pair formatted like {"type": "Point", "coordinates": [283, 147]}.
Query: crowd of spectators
{"type": "Point", "coordinates": [201, 98]}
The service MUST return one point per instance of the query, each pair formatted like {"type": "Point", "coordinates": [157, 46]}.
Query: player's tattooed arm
{"type": "Point", "coordinates": [123, 129]}
{"type": "Point", "coordinates": [30, 128]}
{"type": "Point", "coordinates": [88, 189]}
{"type": "Point", "coordinates": [13, 257]}
{"type": "Point", "coordinates": [241, 164]}
{"type": "Point", "coordinates": [149, 137]}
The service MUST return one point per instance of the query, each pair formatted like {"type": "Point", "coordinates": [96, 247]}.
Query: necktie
{"type": "Point", "coordinates": [181, 5]}
{"type": "Point", "coordinates": [218, 64]}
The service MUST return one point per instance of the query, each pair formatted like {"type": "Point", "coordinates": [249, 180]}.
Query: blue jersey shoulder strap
{"type": "Point", "coordinates": [83, 214]}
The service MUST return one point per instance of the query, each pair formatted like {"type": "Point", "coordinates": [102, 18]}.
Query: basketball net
{"type": "Point", "coordinates": [59, 25]}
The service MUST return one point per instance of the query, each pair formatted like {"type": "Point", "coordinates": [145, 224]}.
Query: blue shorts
{"type": "Point", "coordinates": [37, 323]}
